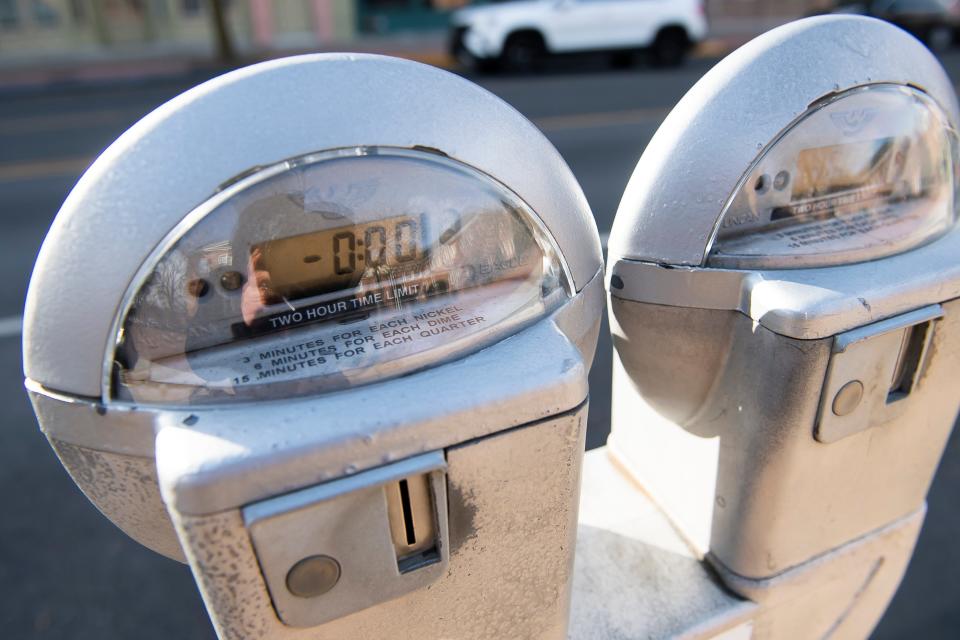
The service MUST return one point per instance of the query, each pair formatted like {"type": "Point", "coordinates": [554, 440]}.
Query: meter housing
{"type": "Point", "coordinates": [784, 308]}
{"type": "Point", "coordinates": [322, 349]}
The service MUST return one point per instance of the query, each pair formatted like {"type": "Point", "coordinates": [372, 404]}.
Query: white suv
{"type": "Point", "coordinates": [516, 34]}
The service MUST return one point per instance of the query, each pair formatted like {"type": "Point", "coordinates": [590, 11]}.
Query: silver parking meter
{"type": "Point", "coordinates": [321, 327]}
{"type": "Point", "coordinates": [783, 282]}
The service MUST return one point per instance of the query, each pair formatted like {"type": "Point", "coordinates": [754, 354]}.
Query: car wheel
{"type": "Point", "coordinates": [670, 47]}
{"type": "Point", "coordinates": [522, 52]}
{"type": "Point", "coordinates": [623, 59]}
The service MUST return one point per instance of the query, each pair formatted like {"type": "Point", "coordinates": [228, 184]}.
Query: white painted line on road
{"type": "Point", "coordinates": [11, 326]}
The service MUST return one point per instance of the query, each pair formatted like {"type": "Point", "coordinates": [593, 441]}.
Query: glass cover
{"type": "Point", "coordinates": [865, 174]}
{"type": "Point", "coordinates": [334, 270]}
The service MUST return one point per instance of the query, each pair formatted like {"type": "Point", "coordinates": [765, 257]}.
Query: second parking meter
{"type": "Point", "coordinates": [785, 308]}
{"type": "Point", "coordinates": [321, 327]}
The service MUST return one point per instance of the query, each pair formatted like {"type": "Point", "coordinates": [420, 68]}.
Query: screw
{"type": "Point", "coordinates": [848, 398]}
{"type": "Point", "coordinates": [231, 280]}
{"type": "Point", "coordinates": [781, 180]}
{"type": "Point", "coordinates": [313, 576]}
{"type": "Point", "coordinates": [198, 288]}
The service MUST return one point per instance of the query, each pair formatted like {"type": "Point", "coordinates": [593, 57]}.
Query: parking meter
{"type": "Point", "coordinates": [783, 294]}
{"type": "Point", "coordinates": [321, 327]}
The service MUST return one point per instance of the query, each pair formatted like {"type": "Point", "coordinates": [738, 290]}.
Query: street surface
{"type": "Point", "coordinates": [66, 572]}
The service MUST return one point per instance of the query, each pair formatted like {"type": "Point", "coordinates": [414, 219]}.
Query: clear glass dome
{"type": "Point", "coordinates": [867, 173]}
{"type": "Point", "coordinates": [337, 269]}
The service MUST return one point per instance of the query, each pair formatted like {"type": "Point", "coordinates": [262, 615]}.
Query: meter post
{"type": "Point", "coordinates": [332, 353]}
{"type": "Point", "coordinates": [784, 298]}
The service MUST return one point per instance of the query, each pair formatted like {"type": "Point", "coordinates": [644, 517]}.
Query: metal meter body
{"type": "Point", "coordinates": [321, 327]}
{"type": "Point", "coordinates": [785, 308]}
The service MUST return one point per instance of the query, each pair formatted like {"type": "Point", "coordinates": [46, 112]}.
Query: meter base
{"type": "Point", "coordinates": [842, 593]}
{"type": "Point", "coordinates": [636, 577]}
{"type": "Point", "coordinates": [512, 517]}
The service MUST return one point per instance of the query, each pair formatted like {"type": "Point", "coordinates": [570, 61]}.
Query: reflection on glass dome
{"type": "Point", "coordinates": [865, 174]}
{"type": "Point", "coordinates": [338, 269]}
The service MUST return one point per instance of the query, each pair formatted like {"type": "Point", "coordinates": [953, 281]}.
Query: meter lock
{"type": "Point", "coordinates": [342, 546]}
{"type": "Point", "coordinates": [873, 373]}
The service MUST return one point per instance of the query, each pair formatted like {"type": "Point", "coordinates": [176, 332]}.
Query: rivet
{"type": "Point", "coordinates": [231, 280]}
{"type": "Point", "coordinates": [313, 576]}
{"type": "Point", "coordinates": [781, 180]}
{"type": "Point", "coordinates": [848, 398]}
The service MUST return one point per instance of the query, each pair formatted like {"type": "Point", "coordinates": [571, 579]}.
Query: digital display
{"type": "Point", "coordinates": [325, 261]}
{"type": "Point", "coordinates": [351, 271]}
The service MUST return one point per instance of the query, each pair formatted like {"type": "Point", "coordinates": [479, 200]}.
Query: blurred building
{"type": "Point", "coordinates": [391, 16]}
{"type": "Point", "coordinates": [47, 27]}
{"type": "Point", "coordinates": [38, 28]}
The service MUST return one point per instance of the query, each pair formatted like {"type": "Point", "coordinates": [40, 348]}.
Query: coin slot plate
{"type": "Point", "coordinates": [888, 358]}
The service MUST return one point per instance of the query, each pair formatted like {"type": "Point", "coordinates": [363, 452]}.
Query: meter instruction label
{"type": "Point", "coordinates": [357, 341]}
{"type": "Point", "coordinates": [350, 348]}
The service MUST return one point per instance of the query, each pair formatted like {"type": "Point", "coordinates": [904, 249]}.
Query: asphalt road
{"type": "Point", "coordinates": [65, 572]}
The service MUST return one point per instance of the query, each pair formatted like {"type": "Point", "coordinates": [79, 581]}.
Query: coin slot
{"type": "Point", "coordinates": [912, 347]}
{"type": "Point", "coordinates": [407, 513]}
{"type": "Point", "coordinates": [410, 508]}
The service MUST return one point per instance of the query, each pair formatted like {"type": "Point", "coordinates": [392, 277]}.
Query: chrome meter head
{"type": "Point", "coordinates": [784, 288]}
{"type": "Point", "coordinates": [336, 344]}
{"type": "Point", "coordinates": [332, 270]}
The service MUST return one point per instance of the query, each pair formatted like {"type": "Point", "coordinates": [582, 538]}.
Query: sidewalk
{"type": "Point", "coordinates": [159, 60]}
